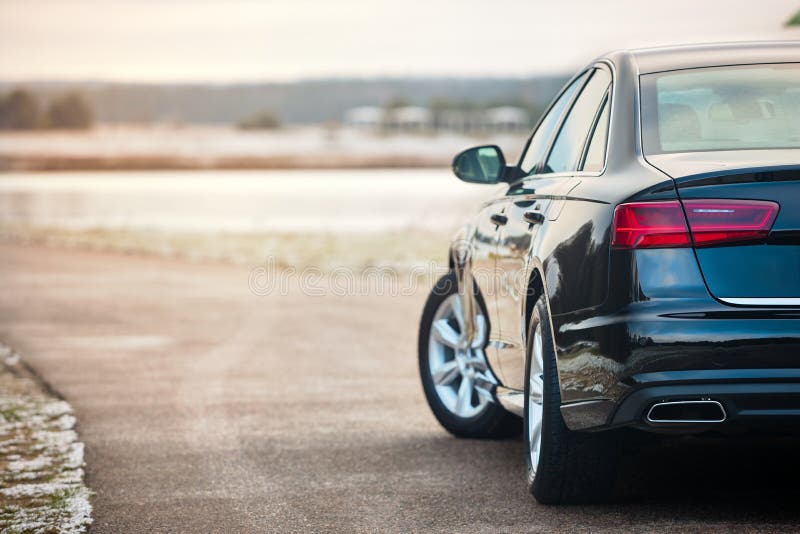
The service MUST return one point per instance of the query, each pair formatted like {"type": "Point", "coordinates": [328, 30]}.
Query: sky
{"type": "Point", "coordinates": [280, 40]}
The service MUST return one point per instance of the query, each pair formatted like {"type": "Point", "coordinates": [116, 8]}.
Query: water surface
{"type": "Point", "coordinates": [330, 201]}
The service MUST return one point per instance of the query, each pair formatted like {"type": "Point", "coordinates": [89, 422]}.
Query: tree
{"type": "Point", "coordinates": [69, 112]}
{"type": "Point", "coordinates": [264, 120]}
{"type": "Point", "coordinates": [19, 110]}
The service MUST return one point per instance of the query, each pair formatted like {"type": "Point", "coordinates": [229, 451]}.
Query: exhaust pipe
{"type": "Point", "coordinates": [686, 412]}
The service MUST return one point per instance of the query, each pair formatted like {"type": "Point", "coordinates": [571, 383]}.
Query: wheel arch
{"type": "Point", "coordinates": [534, 290]}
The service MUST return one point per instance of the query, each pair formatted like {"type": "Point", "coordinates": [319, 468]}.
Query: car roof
{"type": "Point", "coordinates": [658, 59]}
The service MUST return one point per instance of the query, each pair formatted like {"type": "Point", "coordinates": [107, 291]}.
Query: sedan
{"type": "Point", "coordinates": [638, 269]}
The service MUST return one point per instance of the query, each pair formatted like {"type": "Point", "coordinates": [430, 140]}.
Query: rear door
{"type": "Point", "coordinates": [534, 154]}
{"type": "Point", "coordinates": [536, 203]}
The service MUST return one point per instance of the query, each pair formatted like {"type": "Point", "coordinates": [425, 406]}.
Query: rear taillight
{"type": "Point", "coordinates": [727, 221]}
{"type": "Point", "coordinates": [712, 222]}
{"type": "Point", "coordinates": [650, 225]}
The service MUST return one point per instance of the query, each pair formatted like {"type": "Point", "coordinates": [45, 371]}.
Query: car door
{"type": "Point", "coordinates": [534, 205]}
{"type": "Point", "coordinates": [483, 255]}
{"type": "Point", "coordinates": [493, 217]}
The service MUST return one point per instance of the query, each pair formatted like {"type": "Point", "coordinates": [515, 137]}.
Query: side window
{"type": "Point", "coordinates": [570, 141]}
{"type": "Point", "coordinates": [544, 133]}
{"type": "Point", "coordinates": [596, 153]}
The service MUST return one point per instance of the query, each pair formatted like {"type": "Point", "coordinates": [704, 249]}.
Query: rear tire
{"type": "Point", "coordinates": [570, 467]}
{"type": "Point", "coordinates": [479, 416]}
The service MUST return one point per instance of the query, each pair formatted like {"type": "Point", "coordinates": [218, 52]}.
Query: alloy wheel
{"type": "Point", "coordinates": [458, 366]}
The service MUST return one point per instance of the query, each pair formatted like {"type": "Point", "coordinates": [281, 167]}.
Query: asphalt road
{"type": "Point", "coordinates": [206, 408]}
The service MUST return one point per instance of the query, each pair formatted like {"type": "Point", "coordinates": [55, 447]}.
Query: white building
{"type": "Point", "coordinates": [409, 119]}
{"type": "Point", "coordinates": [507, 119]}
{"type": "Point", "coordinates": [417, 119]}
{"type": "Point", "coordinates": [365, 117]}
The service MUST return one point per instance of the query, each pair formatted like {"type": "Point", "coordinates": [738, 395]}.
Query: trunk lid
{"type": "Point", "coordinates": [766, 272]}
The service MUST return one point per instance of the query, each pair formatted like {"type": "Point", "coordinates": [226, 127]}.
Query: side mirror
{"type": "Point", "coordinates": [480, 165]}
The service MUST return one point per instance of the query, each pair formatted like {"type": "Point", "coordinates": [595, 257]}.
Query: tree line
{"type": "Point", "coordinates": [300, 102]}
{"type": "Point", "coordinates": [22, 110]}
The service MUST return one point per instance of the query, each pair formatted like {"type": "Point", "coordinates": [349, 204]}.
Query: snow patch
{"type": "Point", "coordinates": [41, 460]}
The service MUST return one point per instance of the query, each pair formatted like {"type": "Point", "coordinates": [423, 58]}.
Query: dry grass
{"type": "Point", "coordinates": [399, 250]}
{"type": "Point", "coordinates": [37, 163]}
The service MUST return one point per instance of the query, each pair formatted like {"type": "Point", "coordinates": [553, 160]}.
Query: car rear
{"type": "Point", "coordinates": [715, 330]}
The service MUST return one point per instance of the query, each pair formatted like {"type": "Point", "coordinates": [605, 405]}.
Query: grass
{"type": "Point", "coordinates": [398, 249]}
{"type": "Point", "coordinates": [41, 461]}
{"type": "Point", "coordinates": [10, 415]}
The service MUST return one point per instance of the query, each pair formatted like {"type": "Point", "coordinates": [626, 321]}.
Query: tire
{"type": "Point", "coordinates": [479, 416]}
{"type": "Point", "coordinates": [572, 467]}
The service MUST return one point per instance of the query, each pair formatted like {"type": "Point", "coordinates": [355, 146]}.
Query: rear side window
{"type": "Point", "coordinates": [544, 133]}
{"type": "Point", "coordinates": [596, 152]}
{"type": "Point", "coordinates": [571, 139]}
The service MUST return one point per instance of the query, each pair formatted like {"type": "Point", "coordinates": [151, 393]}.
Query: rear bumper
{"type": "Point", "coordinates": [745, 403]}
{"type": "Point", "coordinates": [766, 399]}
{"type": "Point", "coordinates": [614, 368]}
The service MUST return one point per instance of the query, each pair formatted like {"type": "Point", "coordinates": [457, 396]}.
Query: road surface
{"type": "Point", "coordinates": [207, 408]}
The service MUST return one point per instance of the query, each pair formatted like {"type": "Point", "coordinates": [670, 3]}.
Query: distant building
{"type": "Point", "coordinates": [499, 119]}
{"type": "Point", "coordinates": [507, 119]}
{"type": "Point", "coordinates": [457, 120]}
{"type": "Point", "coordinates": [416, 119]}
{"type": "Point", "coordinates": [409, 119]}
{"type": "Point", "coordinates": [365, 117]}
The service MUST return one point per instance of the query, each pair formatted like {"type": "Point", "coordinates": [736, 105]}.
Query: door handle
{"type": "Point", "coordinates": [499, 219]}
{"type": "Point", "coordinates": [533, 217]}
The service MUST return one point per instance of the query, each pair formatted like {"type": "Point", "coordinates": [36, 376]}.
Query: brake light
{"type": "Point", "coordinates": [650, 225]}
{"type": "Point", "coordinates": [726, 221]}
{"type": "Point", "coordinates": [712, 222]}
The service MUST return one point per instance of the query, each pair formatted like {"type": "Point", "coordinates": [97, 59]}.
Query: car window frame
{"type": "Point", "coordinates": [609, 67]}
{"type": "Point", "coordinates": [565, 118]}
{"type": "Point", "coordinates": [538, 166]}
{"type": "Point", "coordinates": [577, 171]}
{"type": "Point", "coordinates": [605, 101]}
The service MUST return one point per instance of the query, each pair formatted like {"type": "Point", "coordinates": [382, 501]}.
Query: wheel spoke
{"type": "Point", "coordinates": [458, 311]}
{"type": "Point", "coordinates": [480, 332]}
{"type": "Point", "coordinates": [446, 373]}
{"type": "Point", "coordinates": [484, 380]}
{"type": "Point", "coordinates": [484, 394]}
{"type": "Point", "coordinates": [464, 402]}
{"type": "Point", "coordinates": [476, 363]}
{"type": "Point", "coordinates": [445, 334]}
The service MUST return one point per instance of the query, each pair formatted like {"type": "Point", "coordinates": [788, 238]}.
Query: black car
{"type": "Point", "coordinates": [638, 267]}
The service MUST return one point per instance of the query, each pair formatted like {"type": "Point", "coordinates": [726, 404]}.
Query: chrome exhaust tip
{"type": "Point", "coordinates": [686, 412]}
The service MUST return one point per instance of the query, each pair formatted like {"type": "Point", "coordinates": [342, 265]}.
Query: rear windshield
{"type": "Point", "coordinates": [721, 108]}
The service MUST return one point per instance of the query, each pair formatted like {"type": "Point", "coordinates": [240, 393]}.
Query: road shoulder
{"type": "Point", "coordinates": [41, 458]}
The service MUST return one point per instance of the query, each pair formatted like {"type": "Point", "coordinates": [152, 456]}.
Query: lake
{"type": "Point", "coordinates": [330, 201]}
